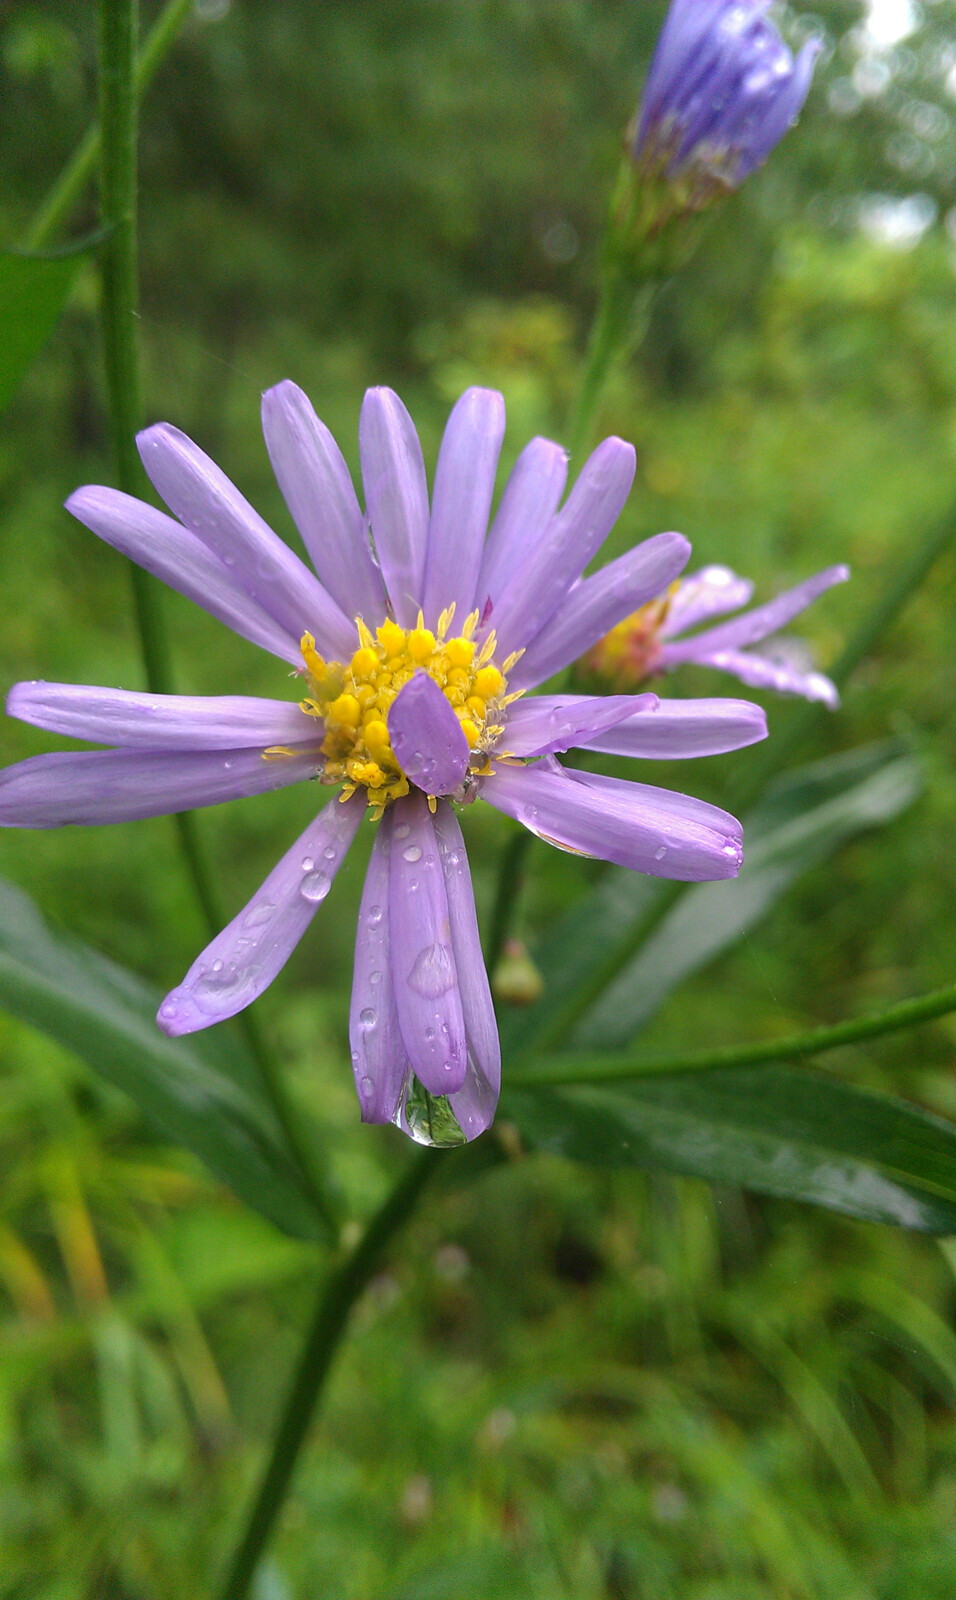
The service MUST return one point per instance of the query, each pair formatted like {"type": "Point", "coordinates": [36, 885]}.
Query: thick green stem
{"type": "Point", "coordinates": [618, 327]}
{"type": "Point", "coordinates": [609, 1069]}
{"type": "Point", "coordinates": [69, 186]}
{"type": "Point", "coordinates": [119, 91]}
{"type": "Point", "coordinates": [336, 1300]}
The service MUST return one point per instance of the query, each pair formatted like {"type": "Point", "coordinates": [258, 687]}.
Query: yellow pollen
{"type": "Point", "coordinates": [629, 654]}
{"type": "Point", "coordinates": [352, 701]}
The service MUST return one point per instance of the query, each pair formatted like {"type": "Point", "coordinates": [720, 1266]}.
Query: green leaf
{"type": "Point", "coordinates": [804, 818]}
{"type": "Point", "coordinates": [33, 292]}
{"type": "Point", "coordinates": [779, 1130]}
{"type": "Point", "coordinates": [201, 1091]}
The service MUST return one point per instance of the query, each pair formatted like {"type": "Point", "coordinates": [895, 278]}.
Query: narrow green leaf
{"type": "Point", "coordinates": [200, 1091]}
{"type": "Point", "coordinates": [804, 818]}
{"type": "Point", "coordinates": [779, 1130]}
{"type": "Point", "coordinates": [33, 292]}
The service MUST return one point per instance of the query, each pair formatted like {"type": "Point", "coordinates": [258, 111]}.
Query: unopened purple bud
{"type": "Point", "coordinates": [722, 90]}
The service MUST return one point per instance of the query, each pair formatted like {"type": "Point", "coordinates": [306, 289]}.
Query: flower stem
{"type": "Point", "coordinates": [120, 317]}
{"type": "Point", "coordinates": [78, 171]}
{"type": "Point", "coordinates": [608, 1069]}
{"type": "Point", "coordinates": [336, 1299]}
{"type": "Point", "coordinates": [618, 327]}
{"type": "Point", "coordinates": [510, 883]}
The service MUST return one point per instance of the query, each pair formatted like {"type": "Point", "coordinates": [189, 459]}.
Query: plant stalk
{"type": "Point", "coordinates": [68, 187]}
{"type": "Point", "coordinates": [335, 1302]}
{"type": "Point", "coordinates": [571, 1069]}
{"type": "Point", "coordinates": [119, 92]}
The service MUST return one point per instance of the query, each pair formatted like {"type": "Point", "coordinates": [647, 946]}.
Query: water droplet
{"type": "Point", "coordinates": [732, 850]}
{"type": "Point", "coordinates": [367, 1017]}
{"type": "Point", "coordinates": [329, 852]}
{"type": "Point", "coordinates": [374, 916]}
{"type": "Point", "coordinates": [366, 1087]}
{"type": "Point", "coordinates": [375, 977]}
{"type": "Point", "coordinates": [433, 972]}
{"type": "Point", "coordinates": [660, 852]}
{"type": "Point", "coordinates": [227, 766]}
{"type": "Point", "coordinates": [315, 886]}
{"type": "Point", "coordinates": [307, 863]}
{"type": "Point", "coordinates": [217, 966]}
{"type": "Point", "coordinates": [258, 914]}
{"type": "Point", "coordinates": [403, 830]}
{"type": "Point", "coordinates": [411, 852]}
{"type": "Point", "coordinates": [168, 1008]}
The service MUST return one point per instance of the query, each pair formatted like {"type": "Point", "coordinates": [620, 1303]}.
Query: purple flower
{"type": "Point", "coordinates": [721, 91]}
{"type": "Point", "coordinates": [650, 642]}
{"type": "Point", "coordinates": [415, 640]}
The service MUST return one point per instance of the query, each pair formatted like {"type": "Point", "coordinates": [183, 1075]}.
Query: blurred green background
{"type": "Point", "coordinates": [565, 1384]}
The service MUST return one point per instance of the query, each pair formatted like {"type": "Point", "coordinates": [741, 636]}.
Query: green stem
{"type": "Point", "coordinates": [619, 324]}
{"type": "Point", "coordinates": [510, 882]}
{"type": "Point", "coordinates": [608, 1069]}
{"type": "Point", "coordinates": [120, 315]}
{"type": "Point", "coordinates": [81, 166]}
{"type": "Point", "coordinates": [336, 1300]}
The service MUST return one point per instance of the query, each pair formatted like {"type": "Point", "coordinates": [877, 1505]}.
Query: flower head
{"type": "Point", "coordinates": [415, 641]}
{"type": "Point", "coordinates": [650, 640]}
{"type": "Point", "coordinates": [721, 91]}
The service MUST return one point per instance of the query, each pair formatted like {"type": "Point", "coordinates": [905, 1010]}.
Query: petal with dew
{"type": "Point", "coordinates": [711, 592]}
{"type": "Point", "coordinates": [541, 580]}
{"type": "Point", "coordinates": [379, 1059]}
{"type": "Point", "coordinates": [427, 737]}
{"type": "Point", "coordinates": [424, 974]}
{"type": "Point", "coordinates": [530, 499]}
{"type": "Point", "coordinates": [552, 722]}
{"type": "Point", "coordinates": [475, 1102]}
{"type": "Point", "coordinates": [396, 496]}
{"type": "Point", "coordinates": [765, 672]}
{"type": "Point", "coordinates": [680, 729]}
{"type": "Point", "coordinates": [89, 787]}
{"type": "Point", "coordinates": [596, 604]}
{"type": "Point", "coordinates": [756, 624]}
{"type": "Point", "coordinates": [244, 959]}
{"type": "Point", "coordinates": [663, 834]}
{"type": "Point", "coordinates": [159, 721]}
{"type": "Point", "coordinates": [317, 488]}
{"type": "Point", "coordinates": [461, 500]}
{"type": "Point", "coordinates": [174, 555]}
{"type": "Point", "coordinates": [211, 507]}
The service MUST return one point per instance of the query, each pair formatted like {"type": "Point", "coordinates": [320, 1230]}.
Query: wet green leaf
{"type": "Point", "coordinates": [779, 1130]}
{"type": "Point", "coordinates": [199, 1091]}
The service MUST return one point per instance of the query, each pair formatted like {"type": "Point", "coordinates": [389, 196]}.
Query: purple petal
{"type": "Point", "coordinates": [679, 729]}
{"type": "Point", "coordinates": [167, 550]}
{"type": "Point", "coordinates": [396, 495]}
{"type": "Point", "coordinates": [317, 487]}
{"type": "Point", "coordinates": [212, 508]}
{"type": "Point", "coordinates": [461, 501]}
{"type": "Point", "coordinates": [531, 498]}
{"type": "Point", "coordinates": [754, 625]}
{"type": "Point", "coordinates": [767, 672]}
{"type": "Point", "coordinates": [551, 722]}
{"type": "Point", "coordinates": [426, 737]}
{"type": "Point", "coordinates": [594, 606]}
{"type": "Point", "coordinates": [647, 829]}
{"type": "Point", "coordinates": [712, 592]}
{"type": "Point", "coordinates": [474, 1104]}
{"type": "Point", "coordinates": [379, 1060]}
{"type": "Point", "coordinates": [243, 960]}
{"type": "Point", "coordinates": [542, 580]}
{"type": "Point", "coordinates": [94, 786]}
{"type": "Point", "coordinates": [159, 721]}
{"type": "Point", "coordinates": [424, 974]}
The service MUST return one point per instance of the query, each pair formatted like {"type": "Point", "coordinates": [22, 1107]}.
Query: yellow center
{"type": "Point", "coordinates": [352, 701]}
{"type": "Point", "coordinates": [629, 653]}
